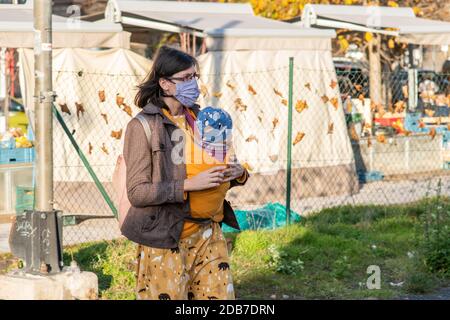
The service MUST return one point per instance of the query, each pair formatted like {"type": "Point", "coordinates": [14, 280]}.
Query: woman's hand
{"type": "Point", "coordinates": [234, 171]}
{"type": "Point", "coordinates": [205, 180]}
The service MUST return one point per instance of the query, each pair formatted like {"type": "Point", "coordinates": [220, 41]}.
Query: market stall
{"type": "Point", "coordinates": [17, 34]}
{"type": "Point", "coordinates": [244, 69]}
{"type": "Point", "coordinates": [418, 107]}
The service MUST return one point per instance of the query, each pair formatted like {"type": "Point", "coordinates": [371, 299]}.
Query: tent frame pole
{"type": "Point", "coordinates": [289, 142]}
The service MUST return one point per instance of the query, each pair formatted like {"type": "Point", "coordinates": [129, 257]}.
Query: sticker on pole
{"type": "Point", "coordinates": [46, 46]}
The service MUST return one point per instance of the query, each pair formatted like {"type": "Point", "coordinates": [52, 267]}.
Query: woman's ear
{"type": "Point", "coordinates": [163, 83]}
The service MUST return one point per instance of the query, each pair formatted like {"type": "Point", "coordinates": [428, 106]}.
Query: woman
{"type": "Point", "coordinates": [176, 211]}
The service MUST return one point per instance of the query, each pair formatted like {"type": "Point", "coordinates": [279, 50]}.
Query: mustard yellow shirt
{"type": "Point", "coordinates": [205, 203]}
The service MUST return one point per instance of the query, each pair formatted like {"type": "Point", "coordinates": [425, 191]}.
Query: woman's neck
{"type": "Point", "coordinates": [175, 107]}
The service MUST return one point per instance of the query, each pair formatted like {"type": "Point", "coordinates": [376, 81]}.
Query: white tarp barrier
{"type": "Point", "coordinates": [78, 76]}
{"type": "Point", "coordinates": [226, 77]}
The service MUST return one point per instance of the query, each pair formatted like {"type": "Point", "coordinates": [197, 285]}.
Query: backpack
{"type": "Point", "coordinates": [119, 178]}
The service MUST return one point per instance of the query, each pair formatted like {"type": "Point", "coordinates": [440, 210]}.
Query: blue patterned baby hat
{"type": "Point", "coordinates": [214, 127]}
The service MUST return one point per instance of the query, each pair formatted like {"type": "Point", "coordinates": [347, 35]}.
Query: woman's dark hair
{"type": "Point", "coordinates": [166, 63]}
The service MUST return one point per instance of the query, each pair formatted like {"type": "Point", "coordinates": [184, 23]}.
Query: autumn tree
{"type": "Point", "coordinates": [382, 52]}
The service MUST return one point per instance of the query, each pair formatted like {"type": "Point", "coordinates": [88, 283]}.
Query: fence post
{"type": "Point", "coordinates": [412, 89]}
{"type": "Point", "coordinates": [289, 143]}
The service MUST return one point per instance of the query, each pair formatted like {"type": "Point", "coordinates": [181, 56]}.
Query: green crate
{"type": "Point", "coordinates": [353, 118]}
{"type": "Point", "coordinates": [24, 199]}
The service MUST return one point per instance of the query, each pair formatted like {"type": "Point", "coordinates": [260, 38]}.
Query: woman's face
{"type": "Point", "coordinates": [169, 84]}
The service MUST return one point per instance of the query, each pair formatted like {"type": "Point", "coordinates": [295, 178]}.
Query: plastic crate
{"type": "Point", "coordinates": [16, 155]}
{"type": "Point", "coordinates": [412, 122]}
{"type": "Point", "coordinates": [24, 199]}
{"type": "Point", "coordinates": [386, 122]}
{"type": "Point", "coordinates": [353, 117]}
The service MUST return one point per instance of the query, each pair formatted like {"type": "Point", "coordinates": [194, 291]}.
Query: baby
{"type": "Point", "coordinates": [214, 133]}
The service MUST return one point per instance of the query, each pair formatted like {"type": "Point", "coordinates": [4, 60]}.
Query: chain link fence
{"type": "Point", "coordinates": [95, 108]}
{"type": "Point", "coordinates": [346, 149]}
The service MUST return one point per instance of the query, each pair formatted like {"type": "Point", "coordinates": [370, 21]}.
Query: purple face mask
{"type": "Point", "coordinates": [187, 92]}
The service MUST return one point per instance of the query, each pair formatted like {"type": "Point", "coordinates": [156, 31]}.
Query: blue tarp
{"type": "Point", "coordinates": [271, 216]}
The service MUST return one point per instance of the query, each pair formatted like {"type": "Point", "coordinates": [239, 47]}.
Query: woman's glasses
{"type": "Point", "coordinates": [185, 78]}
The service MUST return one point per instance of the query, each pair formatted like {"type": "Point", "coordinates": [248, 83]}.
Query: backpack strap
{"type": "Point", "coordinates": [148, 132]}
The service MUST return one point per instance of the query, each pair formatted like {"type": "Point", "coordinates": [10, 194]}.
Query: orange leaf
{"type": "Point", "coordinates": [240, 106]}
{"type": "Point", "coordinates": [105, 116]}
{"type": "Point", "coordinates": [358, 87]}
{"type": "Point", "coordinates": [101, 95]}
{"type": "Point", "coordinates": [325, 99]}
{"type": "Point", "coordinates": [278, 93]}
{"type": "Point", "coordinates": [335, 102]}
{"type": "Point", "coordinates": [308, 85]}
{"type": "Point", "coordinates": [301, 105]}
{"type": "Point", "coordinates": [274, 122]}
{"type": "Point", "coordinates": [204, 90]}
{"type": "Point", "coordinates": [284, 101]}
{"type": "Point", "coordinates": [273, 158]}
{"type": "Point", "coordinates": [252, 90]}
{"type": "Point", "coordinates": [217, 94]}
{"type": "Point", "coordinates": [429, 112]}
{"type": "Point", "coordinates": [127, 109]}
{"type": "Point", "coordinates": [80, 109]}
{"type": "Point", "coordinates": [432, 133]}
{"type": "Point", "coordinates": [90, 148]}
{"type": "Point", "coordinates": [298, 138]}
{"type": "Point", "coordinates": [381, 138]}
{"type": "Point", "coordinates": [64, 108]}
{"type": "Point", "coordinates": [330, 128]}
{"type": "Point", "coordinates": [349, 106]}
{"type": "Point", "coordinates": [116, 134]}
{"type": "Point", "coordinates": [104, 149]}
{"type": "Point", "coordinates": [251, 138]}
{"type": "Point", "coordinates": [333, 84]}
{"type": "Point", "coordinates": [399, 106]}
{"type": "Point", "coordinates": [231, 85]}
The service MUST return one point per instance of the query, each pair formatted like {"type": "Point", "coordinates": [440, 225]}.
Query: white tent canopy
{"type": "Point", "coordinates": [16, 30]}
{"type": "Point", "coordinates": [246, 51]}
{"type": "Point", "coordinates": [225, 26]}
{"type": "Point", "coordinates": [377, 19]}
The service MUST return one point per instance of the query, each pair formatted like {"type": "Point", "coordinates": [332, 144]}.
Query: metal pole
{"type": "Point", "coordinates": [44, 97]}
{"type": "Point", "coordinates": [412, 81]}
{"type": "Point", "coordinates": [7, 89]}
{"type": "Point", "coordinates": [289, 142]}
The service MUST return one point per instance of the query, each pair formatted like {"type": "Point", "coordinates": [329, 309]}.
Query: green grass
{"type": "Point", "coordinates": [325, 256]}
